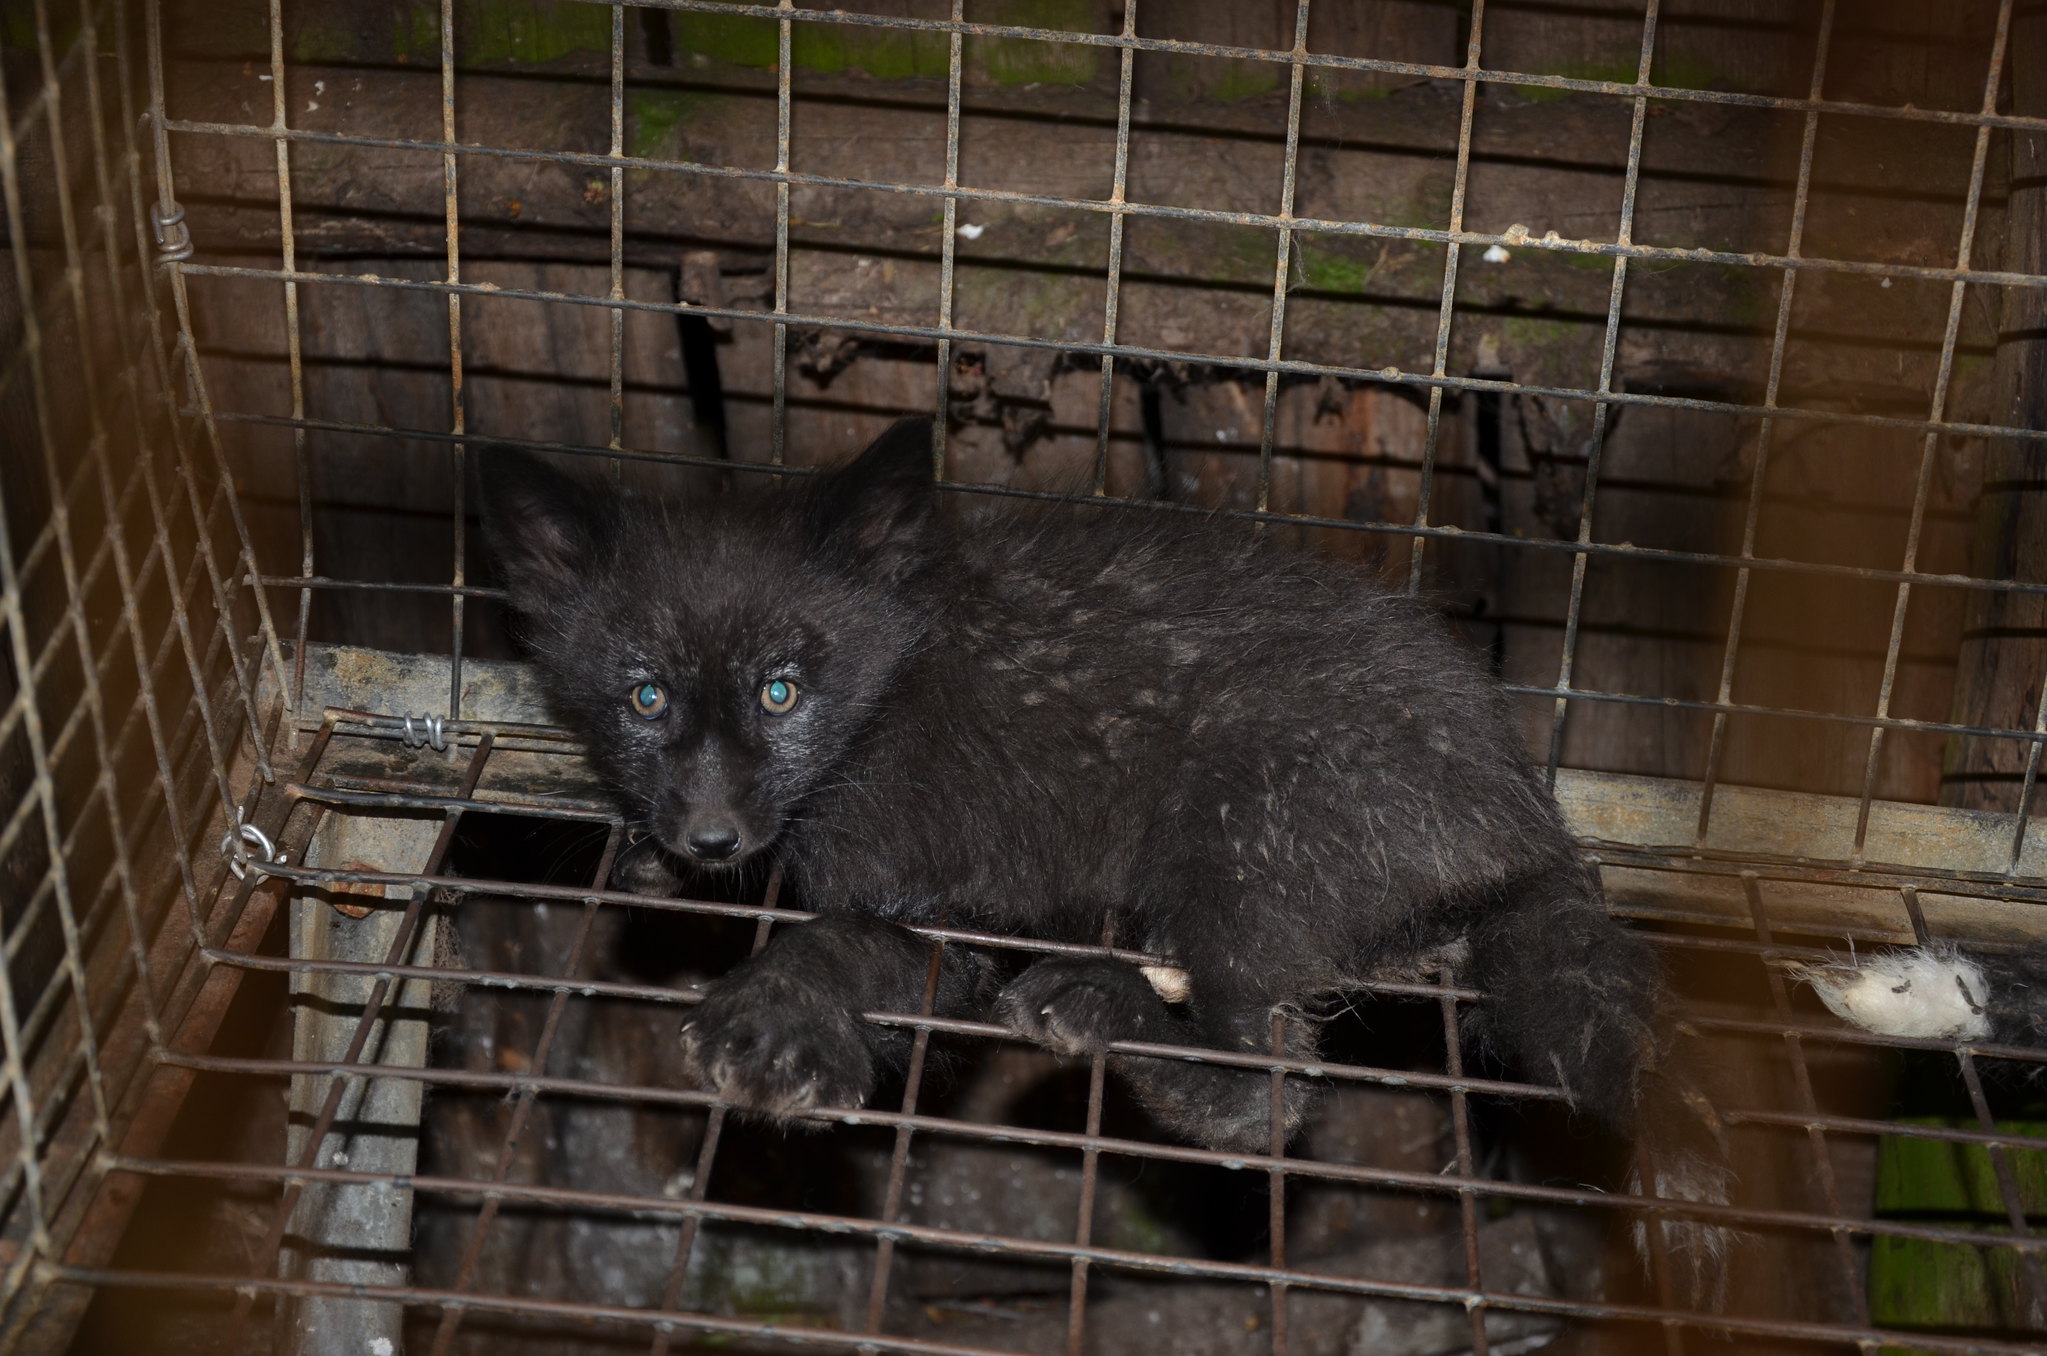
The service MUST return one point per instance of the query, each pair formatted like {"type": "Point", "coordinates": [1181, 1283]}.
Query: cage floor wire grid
{"type": "Point", "coordinates": [1688, 354]}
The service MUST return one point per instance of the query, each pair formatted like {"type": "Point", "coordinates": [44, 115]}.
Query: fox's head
{"type": "Point", "coordinates": [717, 655]}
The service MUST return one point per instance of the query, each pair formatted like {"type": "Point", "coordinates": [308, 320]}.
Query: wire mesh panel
{"type": "Point", "coordinates": [1686, 355]}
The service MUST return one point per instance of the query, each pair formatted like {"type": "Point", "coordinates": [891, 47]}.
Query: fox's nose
{"type": "Point", "coordinates": [712, 842]}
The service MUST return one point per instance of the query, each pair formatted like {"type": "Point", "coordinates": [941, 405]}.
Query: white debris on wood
{"type": "Point", "coordinates": [1928, 994]}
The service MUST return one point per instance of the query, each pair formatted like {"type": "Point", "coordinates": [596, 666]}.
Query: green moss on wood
{"type": "Point", "coordinates": [652, 120]}
{"type": "Point", "coordinates": [1918, 1283]}
{"type": "Point", "coordinates": [734, 39]}
{"type": "Point", "coordinates": [1027, 61]}
{"type": "Point", "coordinates": [1324, 266]}
{"type": "Point", "coordinates": [536, 32]}
{"type": "Point", "coordinates": [1535, 333]}
{"type": "Point", "coordinates": [531, 32]}
{"type": "Point", "coordinates": [1245, 80]}
{"type": "Point", "coordinates": [18, 29]}
{"type": "Point", "coordinates": [885, 54]}
{"type": "Point", "coordinates": [1679, 71]}
{"type": "Point", "coordinates": [320, 36]}
{"type": "Point", "coordinates": [1921, 1175]}
{"type": "Point", "coordinates": [487, 32]}
{"type": "Point", "coordinates": [419, 32]}
{"type": "Point", "coordinates": [829, 49]}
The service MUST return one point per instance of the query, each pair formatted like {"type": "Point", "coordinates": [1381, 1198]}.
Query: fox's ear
{"type": "Point", "coordinates": [543, 527]}
{"type": "Point", "coordinates": [877, 511]}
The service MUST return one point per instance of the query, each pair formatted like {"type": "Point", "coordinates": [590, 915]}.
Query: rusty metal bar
{"type": "Point", "coordinates": [186, 349]}
{"type": "Point", "coordinates": [1282, 273]}
{"type": "Point", "coordinates": [1822, 1158]}
{"type": "Point", "coordinates": [1615, 550]}
{"type": "Point", "coordinates": [57, 872]}
{"type": "Point", "coordinates": [899, 1157]}
{"type": "Point", "coordinates": [1084, 1223]}
{"type": "Point", "coordinates": [342, 1233]}
{"type": "Point", "coordinates": [1112, 299]}
{"type": "Point", "coordinates": [1217, 361]}
{"type": "Point", "coordinates": [1446, 308]}
{"type": "Point", "coordinates": [2024, 813]}
{"type": "Point", "coordinates": [1446, 1183]}
{"type": "Point", "coordinates": [41, 790]}
{"type": "Point", "coordinates": [372, 1010]}
{"type": "Point", "coordinates": [617, 206]}
{"type": "Point", "coordinates": [2032, 1284]}
{"type": "Point", "coordinates": [1943, 372]}
{"type": "Point", "coordinates": [1596, 445]}
{"type": "Point", "coordinates": [130, 1016]}
{"type": "Point", "coordinates": [1467, 1203]}
{"type": "Point", "coordinates": [1574, 84]}
{"type": "Point", "coordinates": [948, 247]}
{"type": "Point", "coordinates": [457, 401]}
{"type": "Point", "coordinates": [778, 433]}
{"type": "Point", "coordinates": [194, 748]}
{"type": "Point", "coordinates": [707, 1154]}
{"type": "Point", "coordinates": [1791, 1330]}
{"type": "Point", "coordinates": [199, 1000]}
{"type": "Point", "coordinates": [287, 243]}
{"type": "Point", "coordinates": [1752, 516]}
{"type": "Point", "coordinates": [1269, 221]}
{"type": "Point", "coordinates": [515, 1126]}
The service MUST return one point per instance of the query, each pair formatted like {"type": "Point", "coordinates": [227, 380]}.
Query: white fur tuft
{"type": "Point", "coordinates": [1930, 994]}
{"type": "Point", "coordinates": [1696, 1251]}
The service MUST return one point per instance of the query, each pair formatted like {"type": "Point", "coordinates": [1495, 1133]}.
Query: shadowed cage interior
{"type": "Point", "coordinates": [1688, 355]}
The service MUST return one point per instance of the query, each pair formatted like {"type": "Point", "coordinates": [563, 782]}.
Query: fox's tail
{"type": "Point", "coordinates": [1572, 993]}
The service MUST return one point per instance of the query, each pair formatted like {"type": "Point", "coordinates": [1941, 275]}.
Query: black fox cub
{"type": "Point", "coordinates": [1272, 772]}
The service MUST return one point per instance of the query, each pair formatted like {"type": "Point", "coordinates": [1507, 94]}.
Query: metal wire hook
{"type": "Point", "coordinates": [173, 236]}
{"type": "Point", "coordinates": [240, 839]}
{"type": "Point", "coordinates": [428, 731]}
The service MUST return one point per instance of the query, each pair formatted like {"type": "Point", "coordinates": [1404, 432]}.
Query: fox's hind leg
{"type": "Point", "coordinates": [1080, 1006]}
{"type": "Point", "coordinates": [1571, 994]}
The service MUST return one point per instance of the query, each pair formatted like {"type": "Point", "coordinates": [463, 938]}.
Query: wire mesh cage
{"type": "Point", "coordinates": [1687, 355]}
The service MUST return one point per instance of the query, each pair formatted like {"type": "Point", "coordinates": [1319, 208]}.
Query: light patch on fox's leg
{"type": "Point", "coordinates": [1170, 982]}
{"type": "Point", "coordinates": [1925, 993]}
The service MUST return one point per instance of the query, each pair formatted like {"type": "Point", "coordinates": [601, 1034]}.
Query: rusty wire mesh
{"type": "Point", "coordinates": [159, 648]}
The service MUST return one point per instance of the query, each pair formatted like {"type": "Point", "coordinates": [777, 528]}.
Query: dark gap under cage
{"type": "Point", "coordinates": [1685, 355]}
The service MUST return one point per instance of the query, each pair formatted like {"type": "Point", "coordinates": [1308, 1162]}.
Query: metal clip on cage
{"type": "Point", "coordinates": [236, 844]}
{"type": "Point", "coordinates": [427, 732]}
{"type": "Point", "coordinates": [173, 237]}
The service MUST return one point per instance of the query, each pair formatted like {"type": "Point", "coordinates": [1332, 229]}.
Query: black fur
{"type": "Point", "coordinates": [1258, 764]}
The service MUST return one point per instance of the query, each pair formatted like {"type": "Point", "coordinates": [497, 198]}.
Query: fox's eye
{"type": "Point", "coordinates": [649, 701]}
{"type": "Point", "coordinates": [778, 696]}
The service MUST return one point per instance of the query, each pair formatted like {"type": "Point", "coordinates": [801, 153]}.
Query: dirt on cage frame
{"type": "Point", "coordinates": [324, 1023]}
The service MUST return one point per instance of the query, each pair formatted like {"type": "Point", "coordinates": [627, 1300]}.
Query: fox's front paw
{"type": "Point", "coordinates": [643, 869]}
{"type": "Point", "coordinates": [1078, 1007]}
{"type": "Point", "coordinates": [761, 1052]}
